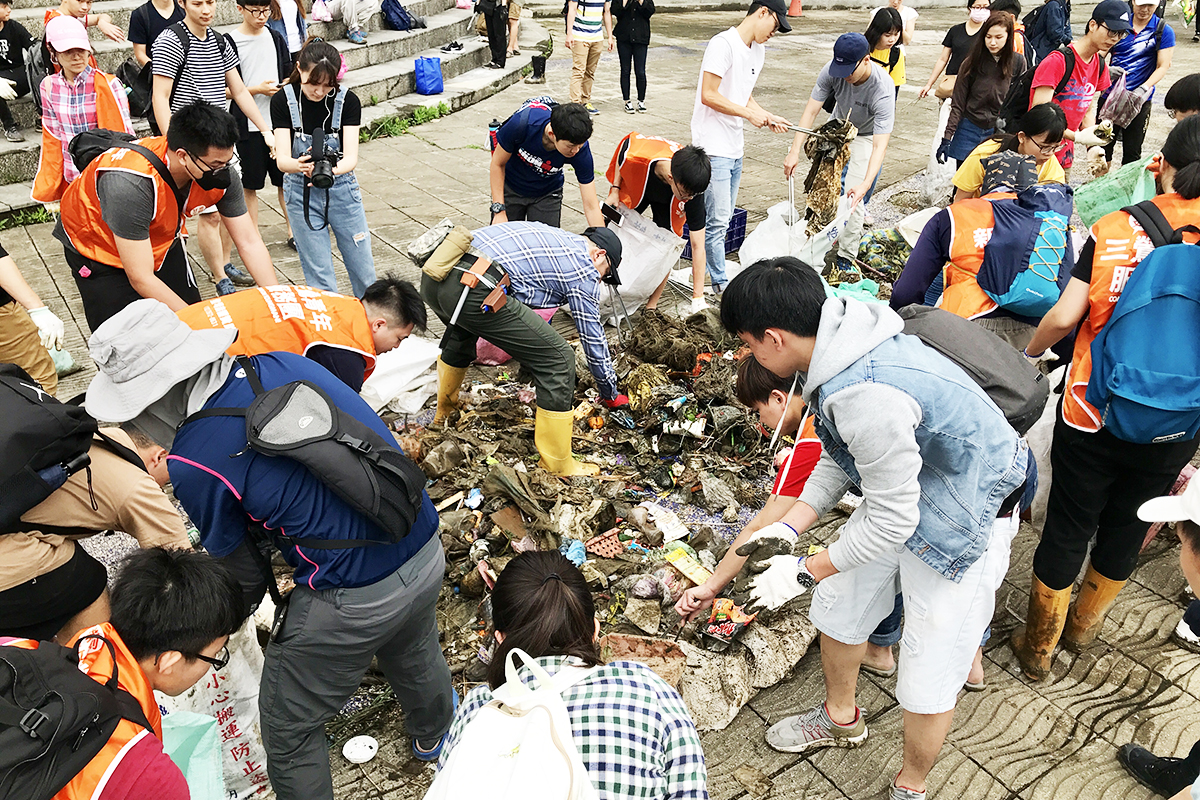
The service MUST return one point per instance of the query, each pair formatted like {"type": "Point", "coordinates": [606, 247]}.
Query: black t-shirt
{"type": "Point", "coordinates": [346, 365]}
{"type": "Point", "coordinates": [314, 114]}
{"type": "Point", "coordinates": [1083, 264]}
{"type": "Point", "coordinates": [659, 195]}
{"type": "Point", "coordinates": [959, 42]}
{"type": "Point", "coordinates": [5, 297]}
{"type": "Point", "coordinates": [145, 24]}
{"type": "Point", "coordinates": [13, 41]}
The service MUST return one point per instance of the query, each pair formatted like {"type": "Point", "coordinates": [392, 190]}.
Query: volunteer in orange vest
{"type": "Point", "coordinates": [954, 238]}
{"type": "Point", "coordinates": [172, 614]}
{"type": "Point", "coordinates": [671, 180]}
{"type": "Point", "coordinates": [342, 334]}
{"type": "Point", "coordinates": [1100, 480]}
{"type": "Point", "coordinates": [121, 220]}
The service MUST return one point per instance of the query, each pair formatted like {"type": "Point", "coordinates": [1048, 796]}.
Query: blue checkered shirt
{"type": "Point", "coordinates": [632, 731]}
{"type": "Point", "coordinates": [549, 268]}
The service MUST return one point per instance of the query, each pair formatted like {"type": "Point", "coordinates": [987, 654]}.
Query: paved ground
{"type": "Point", "coordinates": [1055, 740]}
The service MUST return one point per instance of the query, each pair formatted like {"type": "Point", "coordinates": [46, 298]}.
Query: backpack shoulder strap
{"type": "Point", "coordinates": [1153, 222]}
{"type": "Point", "coordinates": [1158, 32]}
{"type": "Point", "coordinates": [255, 384]}
{"type": "Point", "coordinates": [121, 450]}
{"type": "Point", "coordinates": [1069, 59]}
{"type": "Point", "coordinates": [163, 172]}
{"type": "Point", "coordinates": [185, 43]}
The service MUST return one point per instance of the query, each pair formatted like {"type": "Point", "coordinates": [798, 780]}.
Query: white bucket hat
{"type": "Point", "coordinates": [143, 351]}
{"type": "Point", "coordinates": [1172, 508]}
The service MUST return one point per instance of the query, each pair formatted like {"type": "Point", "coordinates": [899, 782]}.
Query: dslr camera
{"type": "Point", "coordinates": [323, 161]}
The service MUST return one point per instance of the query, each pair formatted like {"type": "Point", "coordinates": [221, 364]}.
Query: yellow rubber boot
{"type": "Point", "coordinates": [1034, 644]}
{"type": "Point", "coordinates": [1096, 597]}
{"type": "Point", "coordinates": [552, 436]}
{"type": "Point", "coordinates": [449, 382]}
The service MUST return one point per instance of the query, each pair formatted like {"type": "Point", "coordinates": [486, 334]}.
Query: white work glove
{"type": "Point", "coordinates": [1041, 361]}
{"type": "Point", "coordinates": [1100, 134]}
{"type": "Point", "coordinates": [778, 584]}
{"type": "Point", "coordinates": [50, 327]}
{"type": "Point", "coordinates": [8, 89]}
{"type": "Point", "coordinates": [776, 539]}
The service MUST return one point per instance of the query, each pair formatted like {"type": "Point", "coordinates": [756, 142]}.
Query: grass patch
{"type": "Point", "coordinates": [25, 216]}
{"type": "Point", "coordinates": [398, 126]}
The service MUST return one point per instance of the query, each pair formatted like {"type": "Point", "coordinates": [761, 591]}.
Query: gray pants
{"type": "Point", "coordinates": [1018, 334]}
{"type": "Point", "coordinates": [515, 329]}
{"type": "Point", "coordinates": [325, 647]}
{"type": "Point", "coordinates": [546, 209]}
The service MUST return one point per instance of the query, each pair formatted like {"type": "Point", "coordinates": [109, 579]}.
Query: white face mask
{"type": "Point", "coordinates": [980, 15]}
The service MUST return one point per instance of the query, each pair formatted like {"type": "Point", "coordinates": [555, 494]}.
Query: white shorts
{"type": "Point", "coordinates": [943, 620]}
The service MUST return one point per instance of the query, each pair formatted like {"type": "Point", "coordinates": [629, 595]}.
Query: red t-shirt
{"type": "Point", "coordinates": [805, 455]}
{"type": "Point", "coordinates": [1076, 97]}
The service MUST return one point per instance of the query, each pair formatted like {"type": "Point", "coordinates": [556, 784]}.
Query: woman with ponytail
{"type": "Point", "coordinates": [1100, 480]}
{"type": "Point", "coordinates": [632, 730]}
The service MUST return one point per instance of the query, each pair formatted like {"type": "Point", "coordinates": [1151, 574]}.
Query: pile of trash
{"type": "Point", "coordinates": [683, 442]}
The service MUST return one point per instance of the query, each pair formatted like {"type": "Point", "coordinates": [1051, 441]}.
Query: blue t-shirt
{"type": "Point", "coordinates": [1137, 53]}
{"type": "Point", "coordinates": [534, 171]}
{"type": "Point", "coordinates": [223, 485]}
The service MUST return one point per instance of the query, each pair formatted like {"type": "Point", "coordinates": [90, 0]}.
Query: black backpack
{"type": "Point", "coordinates": [1016, 102]}
{"type": "Point", "coordinates": [1016, 386]}
{"type": "Point", "coordinates": [298, 420]}
{"type": "Point", "coordinates": [37, 66]}
{"type": "Point", "coordinates": [87, 146]}
{"type": "Point", "coordinates": [139, 81]}
{"type": "Point", "coordinates": [54, 719]}
{"type": "Point", "coordinates": [44, 442]}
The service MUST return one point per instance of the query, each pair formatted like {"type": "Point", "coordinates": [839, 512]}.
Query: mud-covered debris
{"type": "Point", "coordinates": [675, 343]}
{"type": "Point", "coordinates": [829, 154]}
{"type": "Point", "coordinates": [443, 458]}
{"type": "Point", "coordinates": [645, 614]}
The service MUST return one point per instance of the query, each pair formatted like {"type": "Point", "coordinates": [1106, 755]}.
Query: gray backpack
{"type": "Point", "coordinates": [1016, 386]}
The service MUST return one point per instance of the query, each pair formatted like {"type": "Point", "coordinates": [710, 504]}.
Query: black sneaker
{"type": "Point", "coordinates": [1167, 776]}
{"type": "Point", "coordinates": [13, 134]}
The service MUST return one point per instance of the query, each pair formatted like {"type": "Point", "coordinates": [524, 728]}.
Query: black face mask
{"type": "Point", "coordinates": [214, 179]}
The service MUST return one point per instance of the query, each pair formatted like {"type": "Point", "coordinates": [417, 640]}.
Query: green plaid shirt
{"type": "Point", "coordinates": [632, 730]}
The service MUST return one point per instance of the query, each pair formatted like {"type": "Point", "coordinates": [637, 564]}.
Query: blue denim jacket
{"type": "Point", "coordinates": [972, 459]}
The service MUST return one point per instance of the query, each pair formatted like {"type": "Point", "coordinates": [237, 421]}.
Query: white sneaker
{"type": "Point", "coordinates": [698, 304]}
{"type": "Point", "coordinates": [1185, 638]}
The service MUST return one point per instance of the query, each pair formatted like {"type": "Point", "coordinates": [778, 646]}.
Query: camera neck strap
{"type": "Point", "coordinates": [307, 195]}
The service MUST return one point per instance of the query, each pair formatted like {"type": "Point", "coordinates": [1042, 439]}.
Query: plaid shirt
{"type": "Point", "coordinates": [69, 108]}
{"type": "Point", "coordinates": [631, 729]}
{"type": "Point", "coordinates": [548, 268]}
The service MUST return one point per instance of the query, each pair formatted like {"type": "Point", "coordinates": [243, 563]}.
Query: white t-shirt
{"type": "Point", "coordinates": [908, 15]}
{"type": "Point", "coordinates": [287, 8]}
{"type": "Point", "coordinates": [259, 64]}
{"type": "Point", "coordinates": [739, 66]}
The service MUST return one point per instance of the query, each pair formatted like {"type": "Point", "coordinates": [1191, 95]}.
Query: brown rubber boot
{"type": "Point", "coordinates": [449, 382]}
{"type": "Point", "coordinates": [552, 436]}
{"type": "Point", "coordinates": [1034, 644]}
{"type": "Point", "coordinates": [1096, 597]}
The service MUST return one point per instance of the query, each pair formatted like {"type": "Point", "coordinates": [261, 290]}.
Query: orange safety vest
{"type": "Point", "coordinates": [1121, 244]}
{"type": "Point", "coordinates": [1018, 39]}
{"type": "Point", "coordinates": [50, 182]}
{"type": "Point", "coordinates": [97, 662]}
{"type": "Point", "coordinates": [287, 318]}
{"type": "Point", "coordinates": [634, 158]}
{"type": "Point", "coordinates": [81, 214]}
{"type": "Point", "coordinates": [971, 223]}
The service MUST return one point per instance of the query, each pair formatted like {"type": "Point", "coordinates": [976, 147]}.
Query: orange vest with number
{"type": "Point", "coordinates": [287, 318]}
{"type": "Point", "coordinates": [97, 662]}
{"type": "Point", "coordinates": [971, 223]}
{"type": "Point", "coordinates": [1121, 244]}
{"type": "Point", "coordinates": [81, 214]}
{"type": "Point", "coordinates": [634, 158]}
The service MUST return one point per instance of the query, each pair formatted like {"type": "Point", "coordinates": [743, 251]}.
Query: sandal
{"type": "Point", "coordinates": [883, 673]}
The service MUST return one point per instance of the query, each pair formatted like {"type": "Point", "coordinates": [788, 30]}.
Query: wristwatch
{"type": "Point", "coordinates": [803, 577]}
{"type": "Point", "coordinates": [497, 207]}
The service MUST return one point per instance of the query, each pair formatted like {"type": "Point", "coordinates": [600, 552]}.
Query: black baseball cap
{"type": "Point", "coordinates": [606, 240]}
{"type": "Point", "coordinates": [778, 8]}
{"type": "Point", "coordinates": [1114, 15]}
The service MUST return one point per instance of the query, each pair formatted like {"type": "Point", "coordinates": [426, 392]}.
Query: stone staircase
{"type": "Point", "coordinates": [382, 72]}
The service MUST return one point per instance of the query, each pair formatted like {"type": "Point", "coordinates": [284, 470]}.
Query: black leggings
{"type": "Point", "coordinates": [635, 55]}
{"type": "Point", "coordinates": [1099, 481]}
{"type": "Point", "coordinates": [17, 76]}
{"type": "Point", "coordinates": [1132, 136]}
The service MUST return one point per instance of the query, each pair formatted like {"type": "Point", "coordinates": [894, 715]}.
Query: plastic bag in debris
{"type": "Point", "coordinates": [938, 182]}
{"type": "Point", "coordinates": [193, 743]}
{"type": "Point", "coordinates": [405, 370]}
{"type": "Point", "coordinates": [780, 234]}
{"type": "Point", "coordinates": [649, 255]}
{"type": "Point", "coordinates": [1130, 184]}
{"type": "Point", "coordinates": [231, 696]}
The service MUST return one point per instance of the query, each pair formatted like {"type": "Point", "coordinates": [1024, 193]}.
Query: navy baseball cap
{"type": "Point", "coordinates": [1114, 15]}
{"type": "Point", "coordinates": [851, 48]}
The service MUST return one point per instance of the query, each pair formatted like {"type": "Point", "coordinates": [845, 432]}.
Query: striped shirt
{"type": "Point", "coordinates": [632, 730]}
{"type": "Point", "coordinates": [69, 108]}
{"type": "Point", "coordinates": [549, 268]}
{"type": "Point", "coordinates": [207, 63]}
{"type": "Point", "coordinates": [589, 20]}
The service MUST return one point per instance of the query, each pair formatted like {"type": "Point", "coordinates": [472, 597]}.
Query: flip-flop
{"type": "Point", "coordinates": [883, 673]}
{"type": "Point", "coordinates": [975, 687]}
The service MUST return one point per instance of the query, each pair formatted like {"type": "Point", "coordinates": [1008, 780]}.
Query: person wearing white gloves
{"type": "Point", "coordinates": [14, 41]}
{"type": "Point", "coordinates": [1145, 55]}
{"type": "Point", "coordinates": [941, 473]}
{"type": "Point", "coordinates": [27, 327]}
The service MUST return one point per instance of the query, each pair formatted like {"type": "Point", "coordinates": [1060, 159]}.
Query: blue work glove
{"type": "Point", "coordinates": [942, 154]}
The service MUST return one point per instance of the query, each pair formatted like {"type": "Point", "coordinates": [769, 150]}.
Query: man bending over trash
{"type": "Point", "coordinates": [941, 472]}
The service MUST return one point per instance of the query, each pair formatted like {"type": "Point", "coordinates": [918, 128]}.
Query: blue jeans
{"type": "Point", "coordinates": [719, 201]}
{"type": "Point", "coordinates": [347, 219]}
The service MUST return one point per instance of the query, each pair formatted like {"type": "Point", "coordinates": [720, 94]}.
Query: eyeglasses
{"type": "Point", "coordinates": [1048, 149]}
{"type": "Point", "coordinates": [1111, 33]}
{"type": "Point", "coordinates": [215, 170]}
{"type": "Point", "coordinates": [220, 661]}
{"type": "Point", "coordinates": [259, 11]}
{"type": "Point", "coordinates": [1171, 113]}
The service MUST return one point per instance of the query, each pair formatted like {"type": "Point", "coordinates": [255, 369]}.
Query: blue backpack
{"type": "Point", "coordinates": [1147, 388]}
{"type": "Point", "coordinates": [1035, 226]}
{"type": "Point", "coordinates": [397, 16]}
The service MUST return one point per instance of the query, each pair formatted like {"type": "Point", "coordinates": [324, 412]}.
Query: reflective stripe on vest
{"type": "Point", "coordinates": [287, 318]}
{"type": "Point", "coordinates": [1121, 245]}
{"type": "Point", "coordinates": [971, 223]}
{"type": "Point", "coordinates": [635, 163]}
{"type": "Point", "coordinates": [84, 223]}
